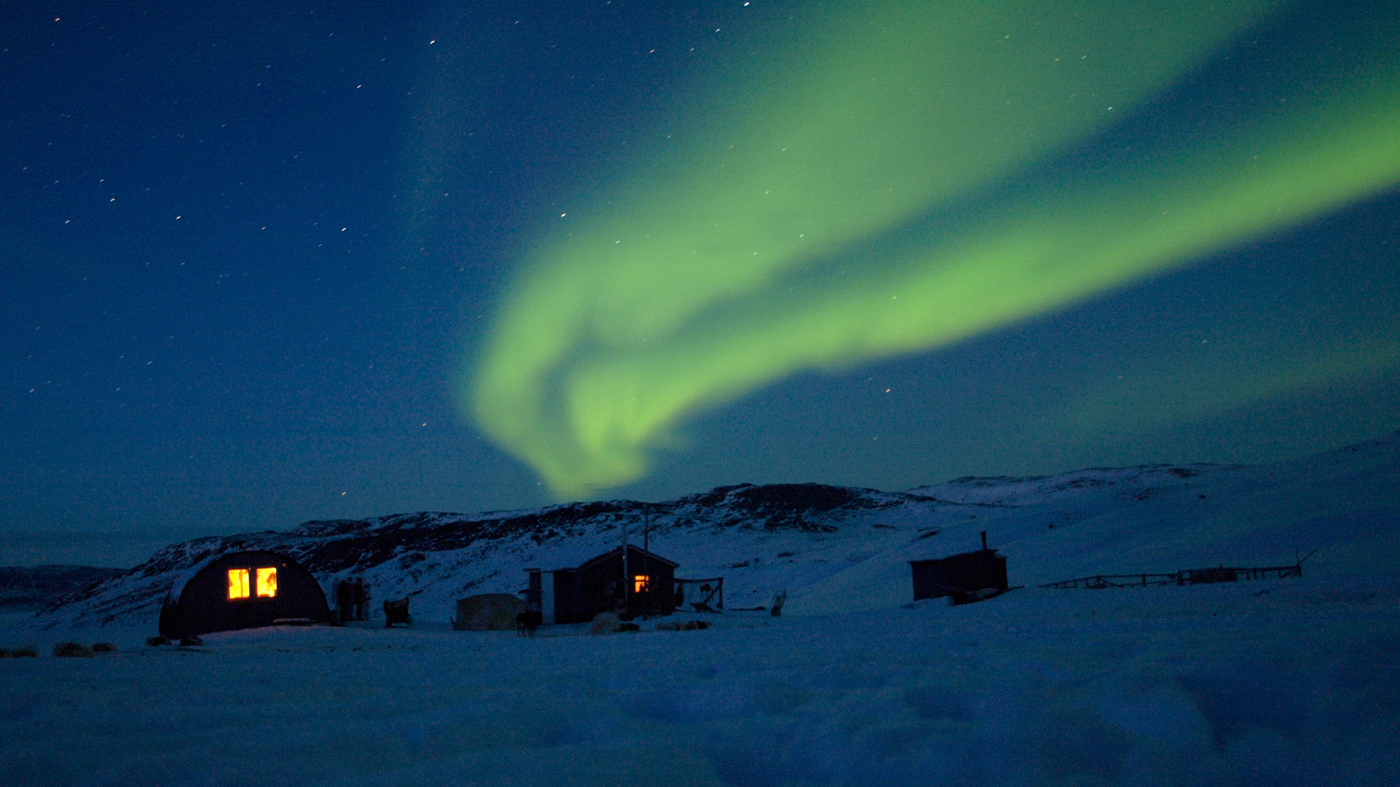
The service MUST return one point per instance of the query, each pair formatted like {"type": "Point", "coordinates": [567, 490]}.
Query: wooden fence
{"type": "Point", "coordinates": [1191, 576]}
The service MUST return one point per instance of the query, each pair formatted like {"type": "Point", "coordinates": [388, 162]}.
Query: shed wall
{"type": "Point", "coordinates": [579, 594]}
{"type": "Point", "coordinates": [980, 570]}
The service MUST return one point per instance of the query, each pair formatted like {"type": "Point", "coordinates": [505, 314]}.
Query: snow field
{"type": "Point", "coordinates": [1278, 682]}
{"type": "Point", "coordinates": [1283, 682]}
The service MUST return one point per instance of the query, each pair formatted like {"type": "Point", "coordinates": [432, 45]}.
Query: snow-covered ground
{"type": "Point", "coordinates": [1281, 681]}
{"type": "Point", "coordinates": [1276, 682]}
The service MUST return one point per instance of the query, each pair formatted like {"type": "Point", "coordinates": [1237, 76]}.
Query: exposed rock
{"type": "Point", "coordinates": [72, 650]}
{"type": "Point", "coordinates": [677, 625]}
{"type": "Point", "coordinates": [40, 586]}
{"type": "Point", "coordinates": [779, 599]}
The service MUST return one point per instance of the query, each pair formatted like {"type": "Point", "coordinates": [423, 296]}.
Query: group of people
{"type": "Point", "coordinates": [352, 599]}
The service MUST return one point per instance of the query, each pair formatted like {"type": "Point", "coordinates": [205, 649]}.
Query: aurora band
{"type": "Point", "coordinates": [832, 209]}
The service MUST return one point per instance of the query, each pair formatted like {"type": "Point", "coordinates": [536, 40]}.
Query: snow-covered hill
{"type": "Point", "coordinates": [1276, 681]}
{"type": "Point", "coordinates": [34, 587]}
{"type": "Point", "coordinates": [837, 549]}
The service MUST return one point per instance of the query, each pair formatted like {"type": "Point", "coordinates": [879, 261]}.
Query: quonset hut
{"type": "Point", "coordinates": [628, 580]}
{"type": "Point", "coordinates": [242, 590]}
{"type": "Point", "coordinates": [961, 576]}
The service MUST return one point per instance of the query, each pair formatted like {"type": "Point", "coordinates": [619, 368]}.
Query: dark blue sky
{"type": "Point", "coordinates": [244, 247]}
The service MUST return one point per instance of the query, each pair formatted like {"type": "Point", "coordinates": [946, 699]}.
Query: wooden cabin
{"type": "Point", "coordinates": [960, 576]}
{"type": "Point", "coordinates": [628, 580]}
{"type": "Point", "coordinates": [241, 590]}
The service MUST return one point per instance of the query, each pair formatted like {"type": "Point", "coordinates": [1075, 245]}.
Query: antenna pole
{"type": "Point", "coordinates": [646, 552]}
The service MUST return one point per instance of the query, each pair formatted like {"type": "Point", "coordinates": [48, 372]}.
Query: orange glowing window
{"type": "Point", "coordinates": [267, 582]}
{"type": "Point", "coordinates": [237, 583]}
{"type": "Point", "coordinates": [642, 583]}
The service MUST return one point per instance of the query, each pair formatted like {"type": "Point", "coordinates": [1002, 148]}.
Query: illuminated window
{"type": "Point", "coordinates": [267, 582]}
{"type": "Point", "coordinates": [643, 583]}
{"type": "Point", "coordinates": [238, 583]}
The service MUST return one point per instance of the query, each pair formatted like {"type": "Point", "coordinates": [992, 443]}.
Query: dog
{"type": "Point", "coordinates": [526, 622]}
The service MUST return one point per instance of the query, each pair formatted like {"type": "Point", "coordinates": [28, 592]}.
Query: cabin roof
{"type": "Point", "coordinates": [178, 588]}
{"type": "Point", "coordinates": [615, 552]}
{"type": "Point", "coordinates": [636, 550]}
{"type": "Point", "coordinates": [973, 553]}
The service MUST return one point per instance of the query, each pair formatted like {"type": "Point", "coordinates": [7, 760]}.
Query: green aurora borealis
{"type": "Point", "coordinates": [896, 181]}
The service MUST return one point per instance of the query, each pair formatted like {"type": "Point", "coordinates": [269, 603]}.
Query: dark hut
{"type": "Point", "coordinates": [630, 582]}
{"type": "Point", "coordinates": [241, 590]}
{"type": "Point", "coordinates": [961, 576]}
{"type": "Point", "coordinates": [488, 612]}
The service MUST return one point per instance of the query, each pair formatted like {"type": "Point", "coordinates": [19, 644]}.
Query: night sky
{"type": "Point", "coordinates": [268, 262]}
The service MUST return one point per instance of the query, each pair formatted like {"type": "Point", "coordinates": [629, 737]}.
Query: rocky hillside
{"type": "Point", "coordinates": [838, 548]}
{"type": "Point", "coordinates": [38, 586]}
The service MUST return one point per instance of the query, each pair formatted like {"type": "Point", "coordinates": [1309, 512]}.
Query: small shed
{"type": "Point", "coordinates": [628, 580]}
{"type": "Point", "coordinates": [241, 590]}
{"type": "Point", "coordinates": [488, 612]}
{"type": "Point", "coordinates": [960, 576]}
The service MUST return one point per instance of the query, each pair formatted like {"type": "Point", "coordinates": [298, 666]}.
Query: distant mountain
{"type": "Point", "coordinates": [42, 586]}
{"type": "Point", "coordinates": [840, 548]}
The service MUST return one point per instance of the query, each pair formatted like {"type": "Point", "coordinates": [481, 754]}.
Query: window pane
{"type": "Point", "coordinates": [641, 580]}
{"type": "Point", "coordinates": [267, 582]}
{"type": "Point", "coordinates": [238, 583]}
